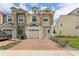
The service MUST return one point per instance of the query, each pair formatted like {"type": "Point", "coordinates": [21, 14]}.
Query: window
{"type": "Point", "coordinates": [45, 19]}
{"type": "Point", "coordinates": [13, 11]}
{"type": "Point", "coordinates": [21, 18]}
{"type": "Point", "coordinates": [77, 12]}
{"type": "Point", "coordinates": [61, 25]}
{"type": "Point", "coordinates": [9, 18]}
{"type": "Point", "coordinates": [48, 31]}
{"type": "Point", "coordinates": [34, 18]}
{"type": "Point", "coordinates": [60, 32]}
{"type": "Point", "coordinates": [34, 11]}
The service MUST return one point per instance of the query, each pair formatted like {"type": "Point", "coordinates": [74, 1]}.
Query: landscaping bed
{"type": "Point", "coordinates": [71, 41]}
{"type": "Point", "coordinates": [7, 46]}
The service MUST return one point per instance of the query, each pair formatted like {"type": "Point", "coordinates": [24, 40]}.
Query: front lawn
{"type": "Point", "coordinates": [9, 45]}
{"type": "Point", "coordinates": [72, 41]}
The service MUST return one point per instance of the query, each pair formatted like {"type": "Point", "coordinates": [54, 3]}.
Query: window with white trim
{"type": "Point", "coordinates": [77, 12]}
{"type": "Point", "coordinates": [21, 18]}
{"type": "Point", "coordinates": [34, 11]}
{"type": "Point", "coordinates": [13, 11]}
{"type": "Point", "coordinates": [45, 18]}
{"type": "Point", "coordinates": [9, 18]}
{"type": "Point", "coordinates": [34, 18]}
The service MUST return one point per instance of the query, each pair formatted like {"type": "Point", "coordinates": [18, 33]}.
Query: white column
{"type": "Point", "coordinates": [52, 30]}
{"type": "Point", "coordinates": [27, 32]}
{"type": "Point", "coordinates": [14, 33]}
{"type": "Point", "coordinates": [40, 33]}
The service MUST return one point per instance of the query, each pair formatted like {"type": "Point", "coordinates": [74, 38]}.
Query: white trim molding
{"type": "Point", "coordinates": [36, 19]}
{"type": "Point", "coordinates": [20, 21]}
{"type": "Point", "coordinates": [7, 19]}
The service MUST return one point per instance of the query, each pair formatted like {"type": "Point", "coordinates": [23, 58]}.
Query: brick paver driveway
{"type": "Point", "coordinates": [36, 44]}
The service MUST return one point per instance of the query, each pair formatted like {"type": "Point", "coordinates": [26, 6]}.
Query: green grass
{"type": "Point", "coordinates": [8, 45]}
{"type": "Point", "coordinates": [73, 42]}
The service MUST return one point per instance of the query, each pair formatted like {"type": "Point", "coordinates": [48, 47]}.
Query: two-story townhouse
{"type": "Point", "coordinates": [34, 25]}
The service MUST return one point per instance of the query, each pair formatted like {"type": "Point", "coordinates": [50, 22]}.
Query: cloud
{"type": "Point", "coordinates": [30, 12]}
{"type": "Point", "coordinates": [43, 7]}
{"type": "Point", "coordinates": [34, 4]}
{"type": "Point", "coordinates": [53, 9]}
{"type": "Point", "coordinates": [5, 7]}
{"type": "Point", "coordinates": [23, 6]}
{"type": "Point", "coordinates": [64, 10]}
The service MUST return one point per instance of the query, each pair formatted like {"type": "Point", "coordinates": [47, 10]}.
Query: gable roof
{"type": "Point", "coordinates": [6, 25]}
{"type": "Point", "coordinates": [46, 10]}
{"type": "Point", "coordinates": [21, 10]}
{"type": "Point", "coordinates": [34, 7]}
{"type": "Point", "coordinates": [72, 11]}
{"type": "Point", "coordinates": [13, 8]}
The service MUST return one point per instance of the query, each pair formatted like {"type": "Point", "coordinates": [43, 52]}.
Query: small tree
{"type": "Point", "coordinates": [20, 31]}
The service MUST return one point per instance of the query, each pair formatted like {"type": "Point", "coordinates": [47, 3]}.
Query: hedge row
{"type": "Point", "coordinates": [62, 43]}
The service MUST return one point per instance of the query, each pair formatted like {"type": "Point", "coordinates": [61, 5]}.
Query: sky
{"type": "Point", "coordinates": [59, 8]}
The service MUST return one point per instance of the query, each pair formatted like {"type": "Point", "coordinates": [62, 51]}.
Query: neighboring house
{"type": "Point", "coordinates": [68, 25]}
{"type": "Point", "coordinates": [35, 25]}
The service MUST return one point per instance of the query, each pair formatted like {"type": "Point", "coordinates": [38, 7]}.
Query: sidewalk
{"type": "Point", "coordinates": [38, 53]}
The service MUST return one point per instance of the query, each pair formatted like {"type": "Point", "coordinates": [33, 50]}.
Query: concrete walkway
{"type": "Point", "coordinates": [38, 53]}
{"type": "Point", "coordinates": [37, 44]}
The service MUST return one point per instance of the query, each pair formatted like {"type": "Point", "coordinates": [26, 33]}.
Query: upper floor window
{"type": "Point", "coordinates": [34, 18]}
{"type": "Point", "coordinates": [77, 12]}
{"type": "Point", "coordinates": [21, 18]}
{"type": "Point", "coordinates": [45, 19]}
{"type": "Point", "coordinates": [9, 18]}
{"type": "Point", "coordinates": [34, 11]}
{"type": "Point", "coordinates": [13, 11]}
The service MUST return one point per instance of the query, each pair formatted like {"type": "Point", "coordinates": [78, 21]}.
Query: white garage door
{"type": "Point", "coordinates": [33, 33]}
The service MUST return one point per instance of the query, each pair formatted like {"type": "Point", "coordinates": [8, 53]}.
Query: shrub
{"type": "Point", "coordinates": [62, 43]}
{"type": "Point", "coordinates": [54, 39]}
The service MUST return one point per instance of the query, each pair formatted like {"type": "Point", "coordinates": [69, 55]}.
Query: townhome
{"type": "Point", "coordinates": [68, 25]}
{"type": "Point", "coordinates": [37, 24]}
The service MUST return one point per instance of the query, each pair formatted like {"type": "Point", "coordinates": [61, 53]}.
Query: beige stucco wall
{"type": "Point", "coordinates": [77, 24]}
{"type": "Point", "coordinates": [68, 25]}
{"type": "Point", "coordinates": [1, 19]}
{"type": "Point", "coordinates": [40, 19]}
{"type": "Point", "coordinates": [29, 18]}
